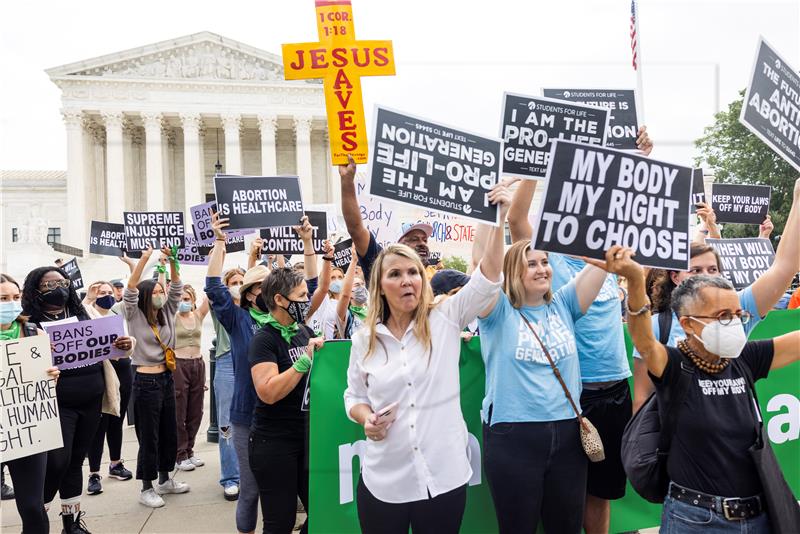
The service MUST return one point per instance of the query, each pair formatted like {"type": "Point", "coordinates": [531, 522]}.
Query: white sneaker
{"type": "Point", "coordinates": [185, 465]}
{"type": "Point", "coordinates": [197, 462]}
{"type": "Point", "coordinates": [231, 492]}
{"type": "Point", "coordinates": [171, 486]}
{"type": "Point", "coordinates": [151, 498]}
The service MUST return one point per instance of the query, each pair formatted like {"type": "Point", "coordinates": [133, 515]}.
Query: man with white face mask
{"type": "Point", "coordinates": [714, 485]}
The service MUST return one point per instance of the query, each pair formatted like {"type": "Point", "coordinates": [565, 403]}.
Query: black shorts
{"type": "Point", "coordinates": [609, 410]}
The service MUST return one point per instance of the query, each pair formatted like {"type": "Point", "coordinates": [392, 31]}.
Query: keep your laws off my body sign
{"type": "Point", "coordinates": [259, 201]}
{"type": "Point", "coordinates": [597, 197]}
{"type": "Point", "coordinates": [428, 165]}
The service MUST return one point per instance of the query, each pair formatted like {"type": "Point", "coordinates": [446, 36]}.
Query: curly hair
{"type": "Point", "coordinates": [660, 285]}
{"type": "Point", "coordinates": [31, 307]}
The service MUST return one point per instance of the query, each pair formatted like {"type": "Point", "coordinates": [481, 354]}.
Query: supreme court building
{"type": "Point", "coordinates": [145, 128]}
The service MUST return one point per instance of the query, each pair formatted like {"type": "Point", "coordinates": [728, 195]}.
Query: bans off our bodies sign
{"type": "Point", "coordinates": [598, 197]}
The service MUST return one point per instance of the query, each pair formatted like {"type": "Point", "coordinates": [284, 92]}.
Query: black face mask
{"type": "Point", "coordinates": [55, 297]}
{"type": "Point", "coordinates": [261, 303]}
{"type": "Point", "coordinates": [298, 309]}
{"type": "Point", "coordinates": [106, 302]}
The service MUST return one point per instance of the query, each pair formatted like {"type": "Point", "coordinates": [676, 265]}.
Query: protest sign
{"type": "Point", "coordinates": [284, 240]}
{"type": "Point", "coordinates": [343, 254]}
{"type": "Point", "coordinates": [74, 272]}
{"type": "Point", "coordinates": [428, 165]}
{"type": "Point", "coordinates": [771, 108]}
{"type": "Point", "coordinates": [107, 239]}
{"type": "Point", "coordinates": [192, 253]}
{"type": "Point", "coordinates": [201, 224]}
{"type": "Point", "coordinates": [743, 259]}
{"type": "Point", "coordinates": [434, 258]}
{"type": "Point", "coordinates": [153, 229]}
{"type": "Point", "coordinates": [531, 123]}
{"type": "Point", "coordinates": [83, 343]}
{"type": "Point", "coordinates": [340, 60]}
{"type": "Point", "coordinates": [739, 203]}
{"type": "Point", "coordinates": [29, 420]}
{"type": "Point", "coordinates": [623, 123]}
{"type": "Point", "coordinates": [259, 201]}
{"type": "Point", "coordinates": [698, 189]}
{"type": "Point", "coordinates": [597, 197]}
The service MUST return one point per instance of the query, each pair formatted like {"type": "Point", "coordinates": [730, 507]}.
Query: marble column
{"type": "Point", "coordinates": [115, 166]}
{"type": "Point", "coordinates": [154, 165]}
{"type": "Point", "coordinates": [76, 233]}
{"type": "Point", "coordinates": [302, 130]}
{"type": "Point", "coordinates": [268, 124]}
{"type": "Point", "coordinates": [232, 125]}
{"type": "Point", "coordinates": [192, 163]}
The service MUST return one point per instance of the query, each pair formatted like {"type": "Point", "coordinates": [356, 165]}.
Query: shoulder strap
{"type": "Point", "coordinates": [29, 329]}
{"type": "Point", "coordinates": [553, 367]}
{"type": "Point", "coordinates": [158, 338]}
{"type": "Point", "coordinates": [664, 326]}
{"type": "Point", "coordinates": [670, 419]}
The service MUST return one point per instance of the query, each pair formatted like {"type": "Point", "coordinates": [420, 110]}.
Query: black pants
{"type": "Point", "coordinates": [156, 429]}
{"type": "Point", "coordinates": [437, 515]}
{"type": "Point", "coordinates": [110, 425]}
{"type": "Point", "coordinates": [279, 461]}
{"type": "Point", "coordinates": [28, 474]}
{"type": "Point", "coordinates": [536, 470]}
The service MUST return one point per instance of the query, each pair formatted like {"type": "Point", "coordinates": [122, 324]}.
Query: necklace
{"type": "Point", "coordinates": [711, 368]}
{"type": "Point", "coordinates": [56, 316]}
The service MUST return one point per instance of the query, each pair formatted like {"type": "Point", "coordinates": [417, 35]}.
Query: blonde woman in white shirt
{"type": "Point", "coordinates": [415, 469]}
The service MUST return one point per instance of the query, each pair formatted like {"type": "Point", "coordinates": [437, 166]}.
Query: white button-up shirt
{"type": "Point", "coordinates": [425, 450]}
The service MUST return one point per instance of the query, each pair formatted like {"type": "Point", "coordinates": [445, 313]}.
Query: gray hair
{"type": "Point", "coordinates": [280, 282]}
{"type": "Point", "coordinates": [688, 291]}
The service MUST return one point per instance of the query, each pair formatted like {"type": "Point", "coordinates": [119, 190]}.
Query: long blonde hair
{"type": "Point", "coordinates": [515, 267]}
{"type": "Point", "coordinates": [379, 308]}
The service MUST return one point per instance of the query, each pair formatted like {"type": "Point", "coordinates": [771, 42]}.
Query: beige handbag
{"type": "Point", "coordinates": [111, 398]}
{"type": "Point", "coordinates": [590, 438]}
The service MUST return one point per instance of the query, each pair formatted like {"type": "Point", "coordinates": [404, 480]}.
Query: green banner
{"type": "Point", "coordinates": [336, 442]}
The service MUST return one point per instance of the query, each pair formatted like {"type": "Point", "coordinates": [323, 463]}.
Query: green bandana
{"type": "Point", "coordinates": [174, 258]}
{"type": "Point", "coordinates": [258, 316]}
{"type": "Point", "coordinates": [359, 311]}
{"type": "Point", "coordinates": [11, 333]}
{"type": "Point", "coordinates": [287, 332]}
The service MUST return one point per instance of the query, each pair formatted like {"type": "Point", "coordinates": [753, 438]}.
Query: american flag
{"type": "Point", "coordinates": [634, 39]}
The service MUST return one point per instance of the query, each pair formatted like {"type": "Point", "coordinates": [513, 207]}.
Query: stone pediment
{"type": "Point", "coordinates": [201, 57]}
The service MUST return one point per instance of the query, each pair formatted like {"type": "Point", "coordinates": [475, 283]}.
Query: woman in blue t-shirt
{"type": "Point", "coordinates": [533, 457]}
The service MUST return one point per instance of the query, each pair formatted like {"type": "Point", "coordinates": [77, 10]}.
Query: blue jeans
{"type": "Point", "coordinates": [680, 517]}
{"type": "Point", "coordinates": [223, 390]}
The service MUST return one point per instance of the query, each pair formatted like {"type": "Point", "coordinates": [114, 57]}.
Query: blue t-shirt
{"type": "Point", "coordinates": [601, 342]}
{"type": "Point", "coordinates": [746, 301]}
{"type": "Point", "coordinates": [520, 385]}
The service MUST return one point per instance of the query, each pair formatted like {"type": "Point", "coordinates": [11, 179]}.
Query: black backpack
{"type": "Point", "coordinates": [647, 438]}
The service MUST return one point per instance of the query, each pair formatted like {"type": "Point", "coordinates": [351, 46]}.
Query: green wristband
{"type": "Point", "coordinates": [303, 364]}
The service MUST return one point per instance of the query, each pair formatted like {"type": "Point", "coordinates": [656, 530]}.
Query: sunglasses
{"type": "Point", "coordinates": [50, 285]}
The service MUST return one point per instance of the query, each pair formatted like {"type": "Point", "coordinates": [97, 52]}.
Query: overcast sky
{"type": "Point", "coordinates": [454, 58]}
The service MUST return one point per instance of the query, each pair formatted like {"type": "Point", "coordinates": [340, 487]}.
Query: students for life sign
{"type": "Point", "coordinates": [340, 60]}
{"type": "Point", "coordinates": [596, 198]}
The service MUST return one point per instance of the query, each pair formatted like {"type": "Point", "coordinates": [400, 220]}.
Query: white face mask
{"type": "Point", "coordinates": [234, 291]}
{"type": "Point", "coordinates": [726, 341]}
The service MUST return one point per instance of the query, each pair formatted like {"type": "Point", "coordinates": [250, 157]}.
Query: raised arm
{"type": "Point", "coordinates": [518, 222]}
{"type": "Point", "coordinates": [588, 283]}
{"type": "Point", "coordinates": [202, 310]}
{"type": "Point", "coordinates": [306, 233]}
{"type": "Point", "coordinates": [136, 274]}
{"type": "Point", "coordinates": [786, 350]}
{"type": "Point", "coordinates": [254, 255]}
{"type": "Point", "coordinates": [765, 228]}
{"type": "Point", "coordinates": [174, 273]}
{"type": "Point", "coordinates": [347, 288]}
{"type": "Point", "coordinates": [216, 259]}
{"type": "Point", "coordinates": [350, 208]}
{"type": "Point", "coordinates": [324, 280]}
{"type": "Point", "coordinates": [708, 224]}
{"type": "Point", "coordinates": [771, 285]}
{"type": "Point", "coordinates": [491, 264]}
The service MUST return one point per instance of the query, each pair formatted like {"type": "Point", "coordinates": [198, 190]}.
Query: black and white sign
{"type": "Point", "coordinates": [739, 203]}
{"type": "Point", "coordinates": [154, 229]}
{"type": "Point", "coordinates": [259, 201]}
{"type": "Point", "coordinates": [771, 108]}
{"type": "Point", "coordinates": [107, 239]}
{"type": "Point", "coordinates": [74, 272]}
{"type": "Point", "coordinates": [531, 123]}
{"type": "Point", "coordinates": [343, 254]}
{"type": "Point", "coordinates": [698, 189]}
{"type": "Point", "coordinates": [434, 258]}
{"type": "Point", "coordinates": [598, 197]}
{"type": "Point", "coordinates": [429, 165]}
{"type": "Point", "coordinates": [284, 240]}
{"type": "Point", "coordinates": [743, 260]}
{"type": "Point", "coordinates": [623, 123]}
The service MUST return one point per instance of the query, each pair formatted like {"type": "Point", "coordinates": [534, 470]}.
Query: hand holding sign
{"type": "Point", "coordinates": [500, 196]}
{"type": "Point", "coordinates": [347, 172]}
{"type": "Point", "coordinates": [765, 229]}
{"type": "Point", "coordinates": [218, 224]}
{"type": "Point", "coordinates": [619, 261]}
{"type": "Point", "coordinates": [643, 142]}
{"type": "Point", "coordinates": [304, 231]}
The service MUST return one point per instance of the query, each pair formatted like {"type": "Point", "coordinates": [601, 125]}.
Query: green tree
{"type": "Point", "coordinates": [737, 156]}
{"type": "Point", "coordinates": [455, 262]}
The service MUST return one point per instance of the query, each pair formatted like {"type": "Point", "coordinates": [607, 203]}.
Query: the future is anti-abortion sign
{"type": "Point", "coordinates": [623, 123]}
{"type": "Point", "coordinates": [598, 197]}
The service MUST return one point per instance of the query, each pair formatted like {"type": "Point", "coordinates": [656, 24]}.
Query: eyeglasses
{"type": "Point", "coordinates": [50, 285]}
{"type": "Point", "coordinates": [725, 318]}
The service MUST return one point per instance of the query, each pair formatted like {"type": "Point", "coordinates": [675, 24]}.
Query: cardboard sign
{"type": "Point", "coordinates": [698, 189]}
{"type": "Point", "coordinates": [191, 253]}
{"type": "Point", "coordinates": [340, 60]}
{"type": "Point", "coordinates": [771, 108]}
{"type": "Point", "coordinates": [284, 240]}
{"type": "Point", "coordinates": [74, 272]}
{"type": "Point", "coordinates": [259, 201]}
{"type": "Point", "coordinates": [154, 229]}
{"type": "Point", "coordinates": [598, 197]}
{"type": "Point", "coordinates": [623, 123]}
{"type": "Point", "coordinates": [428, 165]}
{"type": "Point", "coordinates": [343, 254]}
{"type": "Point", "coordinates": [107, 239]}
{"type": "Point", "coordinates": [743, 260]}
{"type": "Point", "coordinates": [83, 343]}
{"type": "Point", "coordinates": [739, 203]}
{"type": "Point", "coordinates": [531, 123]}
{"type": "Point", "coordinates": [201, 224]}
{"type": "Point", "coordinates": [29, 420]}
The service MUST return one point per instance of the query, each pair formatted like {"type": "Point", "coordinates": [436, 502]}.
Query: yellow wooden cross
{"type": "Point", "coordinates": [340, 60]}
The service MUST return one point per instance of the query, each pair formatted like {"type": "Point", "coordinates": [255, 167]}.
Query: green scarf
{"type": "Point", "coordinates": [287, 332]}
{"type": "Point", "coordinates": [258, 316]}
{"type": "Point", "coordinates": [11, 333]}
{"type": "Point", "coordinates": [359, 311]}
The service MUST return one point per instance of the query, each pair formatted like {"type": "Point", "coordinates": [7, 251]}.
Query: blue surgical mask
{"type": "Point", "coordinates": [184, 307]}
{"type": "Point", "coordinates": [9, 311]}
{"type": "Point", "coordinates": [336, 287]}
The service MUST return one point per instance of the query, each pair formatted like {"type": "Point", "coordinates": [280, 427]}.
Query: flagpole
{"type": "Point", "coordinates": [639, 68]}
